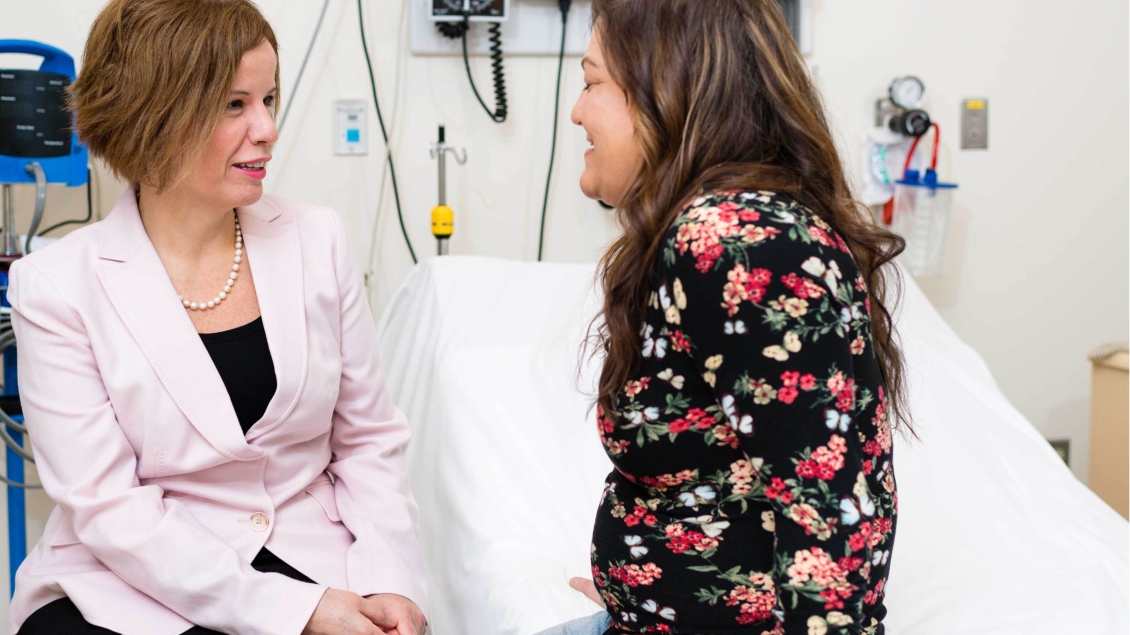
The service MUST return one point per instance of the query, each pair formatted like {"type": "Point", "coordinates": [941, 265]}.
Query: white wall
{"type": "Point", "coordinates": [1039, 256]}
{"type": "Point", "coordinates": [1038, 269]}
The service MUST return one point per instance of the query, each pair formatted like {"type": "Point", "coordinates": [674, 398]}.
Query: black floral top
{"type": "Point", "coordinates": [753, 491]}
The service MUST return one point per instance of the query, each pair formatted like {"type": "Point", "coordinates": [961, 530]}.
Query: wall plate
{"type": "Point", "coordinates": [351, 132]}
{"type": "Point", "coordinates": [532, 27]}
{"type": "Point", "coordinates": [479, 10]}
{"type": "Point", "coordinates": [975, 124]}
{"type": "Point", "coordinates": [1062, 447]}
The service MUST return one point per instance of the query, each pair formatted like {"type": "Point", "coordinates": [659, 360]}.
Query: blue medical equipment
{"type": "Point", "coordinates": [37, 146]}
{"type": "Point", "coordinates": [32, 104]}
{"type": "Point", "coordinates": [921, 214]}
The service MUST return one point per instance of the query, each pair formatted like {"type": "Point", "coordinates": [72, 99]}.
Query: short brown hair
{"type": "Point", "coordinates": [155, 78]}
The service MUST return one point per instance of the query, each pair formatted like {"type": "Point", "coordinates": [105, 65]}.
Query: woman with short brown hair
{"type": "Point", "coordinates": [750, 376]}
{"type": "Point", "coordinates": [199, 371]}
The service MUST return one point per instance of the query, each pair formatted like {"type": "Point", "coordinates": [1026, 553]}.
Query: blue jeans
{"type": "Point", "coordinates": [594, 624]}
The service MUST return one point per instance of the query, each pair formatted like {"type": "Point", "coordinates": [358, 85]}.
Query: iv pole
{"type": "Point", "coordinates": [443, 217]}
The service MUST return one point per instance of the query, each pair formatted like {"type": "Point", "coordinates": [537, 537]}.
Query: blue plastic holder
{"type": "Point", "coordinates": [913, 178]}
{"type": "Point", "coordinates": [69, 170]}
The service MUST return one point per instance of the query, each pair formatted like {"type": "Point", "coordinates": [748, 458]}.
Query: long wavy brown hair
{"type": "Point", "coordinates": [721, 100]}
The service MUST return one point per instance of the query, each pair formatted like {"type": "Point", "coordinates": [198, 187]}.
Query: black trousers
{"type": "Point", "coordinates": [62, 616]}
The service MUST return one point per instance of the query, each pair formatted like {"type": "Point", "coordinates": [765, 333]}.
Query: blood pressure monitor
{"type": "Point", "coordinates": [476, 10]}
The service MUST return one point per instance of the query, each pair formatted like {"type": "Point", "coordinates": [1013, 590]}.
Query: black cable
{"type": "Point", "coordinates": [498, 115]}
{"type": "Point", "coordinates": [556, 111]}
{"type": "Point", "coordinates": [384, 132]}
{"type": "Point", "coordinates": [302, 69]}
{"type": "Point", "coordinates": [89, 210]}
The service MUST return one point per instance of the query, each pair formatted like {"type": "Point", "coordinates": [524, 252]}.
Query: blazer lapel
{"type": "Point", "coordinates": [274, 251]}
{"type": "Point", "coordinates": [135, 280]}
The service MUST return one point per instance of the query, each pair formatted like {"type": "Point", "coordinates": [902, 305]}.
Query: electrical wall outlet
{"type": "Point", "coordinates": [975, 124]}
{"type": "Point", "coordinates": [1062, 447]}
{"type": "Point", "coordinates": [351, 133]}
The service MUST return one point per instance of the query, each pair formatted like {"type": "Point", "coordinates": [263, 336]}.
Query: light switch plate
{"type": "Point", "coordinates": [975, 124]}
{"type": "Point", "coordinates": [351, 133]}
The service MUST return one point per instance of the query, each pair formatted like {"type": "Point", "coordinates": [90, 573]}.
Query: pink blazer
{"type": "Point", "coordinates": [162, 500]}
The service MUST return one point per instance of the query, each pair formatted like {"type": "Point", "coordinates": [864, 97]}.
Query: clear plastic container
{"type": "Point", "coordinates": [921, 217]}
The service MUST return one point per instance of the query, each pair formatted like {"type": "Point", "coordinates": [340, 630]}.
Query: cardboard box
{"type": "Point", "coordinates": [1110, 430]}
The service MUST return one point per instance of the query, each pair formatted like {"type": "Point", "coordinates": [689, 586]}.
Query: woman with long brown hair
{"type": "Point", "coordinates": [750, 376]}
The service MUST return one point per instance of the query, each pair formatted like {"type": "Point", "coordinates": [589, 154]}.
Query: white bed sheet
{"type": "Point", "coordinates": [995, 534]}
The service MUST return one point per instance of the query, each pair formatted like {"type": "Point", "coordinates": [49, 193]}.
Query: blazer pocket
{"type": "Point", "coordinates": [322, 490]}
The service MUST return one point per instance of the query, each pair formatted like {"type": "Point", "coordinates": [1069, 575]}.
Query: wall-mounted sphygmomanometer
{"type": "Point", "coordinates": [475, 10]}
{"type": "Point", "coordinates": [453, 19]}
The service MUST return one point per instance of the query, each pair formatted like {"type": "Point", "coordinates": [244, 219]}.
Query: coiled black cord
{"type": "Point", "coordinates": [498, 115]}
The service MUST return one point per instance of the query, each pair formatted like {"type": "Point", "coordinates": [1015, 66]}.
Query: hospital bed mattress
{"type": "Point", "coordinates": [484, 356]}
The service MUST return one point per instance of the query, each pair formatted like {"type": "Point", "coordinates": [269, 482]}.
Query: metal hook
{"type": "Point", "coordinates": [459, 158]}
{"type": "Point", "coordinates": [434, 148]}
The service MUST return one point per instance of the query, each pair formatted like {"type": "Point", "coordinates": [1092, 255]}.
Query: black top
{"type": "Point", "coordinates": [753, 489]}
{"type": "Point", "coordinates": [244, 361]}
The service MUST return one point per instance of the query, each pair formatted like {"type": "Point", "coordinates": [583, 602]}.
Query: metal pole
{"type": "Point", "coordinates": [443, 218]}
{"type": "Point", "coordinates": [11, 236]}
{"type": "Point", "coordinates": [441, 150]}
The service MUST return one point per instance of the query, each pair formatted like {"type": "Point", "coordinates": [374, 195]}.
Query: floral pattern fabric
{"type": "Point", "coordinates": [753, 490]}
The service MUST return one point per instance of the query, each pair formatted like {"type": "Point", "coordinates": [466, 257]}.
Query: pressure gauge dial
{"type": "Point", "coordinates": [907, 92]}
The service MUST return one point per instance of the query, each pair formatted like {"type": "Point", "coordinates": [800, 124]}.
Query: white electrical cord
{"type": "Point", "coordinates": [393, 120]}
{"type": "Point", "coordinates": [302, 68]}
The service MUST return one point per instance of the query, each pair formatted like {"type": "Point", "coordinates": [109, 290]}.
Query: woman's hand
{"type": "Point", "coordinates": [587, 587]}
{"type": "Point", "coordinates": [396, 614]}
{"type": "Point", "coordinates": [342, 613]}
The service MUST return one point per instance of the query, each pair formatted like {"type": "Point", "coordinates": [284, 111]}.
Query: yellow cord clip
{"type": "Point", "coordinates": [443, 221]}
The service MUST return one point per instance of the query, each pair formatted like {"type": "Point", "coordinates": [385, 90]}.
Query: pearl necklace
{"type": "Point", "coordinates": [214, 302]}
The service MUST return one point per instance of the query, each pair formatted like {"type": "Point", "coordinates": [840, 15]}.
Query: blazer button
{"type": "Point", "coordinates": [259, 521]}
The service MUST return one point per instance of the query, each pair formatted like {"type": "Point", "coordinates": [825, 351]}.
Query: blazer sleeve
{"type": "Point", "coordinates": [368, 443]}
{"type": "Point", "coordinates": [88, 467]}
